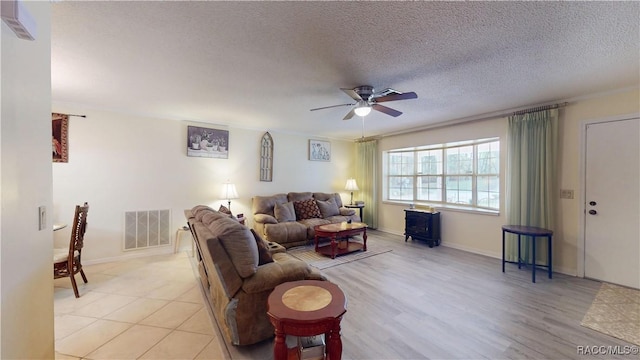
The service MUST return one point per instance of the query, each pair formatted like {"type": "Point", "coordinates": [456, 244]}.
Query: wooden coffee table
{"type": "Point", "coordinates": [306, 308]}
{"type": "Point", "coordinates": [338, 231]}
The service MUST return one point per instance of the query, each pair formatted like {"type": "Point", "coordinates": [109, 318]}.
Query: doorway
{"type": "Point", "coordinates": [612, 201]}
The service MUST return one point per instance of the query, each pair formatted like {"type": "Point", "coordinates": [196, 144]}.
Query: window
{"type": "Point", "coordinates": [463, 174]}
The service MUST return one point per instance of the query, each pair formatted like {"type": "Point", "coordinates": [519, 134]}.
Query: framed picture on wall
{"type": "Point", "coordinates": [319, 150]}
{"type": "Point", "coordinates": [59, 137]}
{"type": "Point", "coordinates": [207, 142]}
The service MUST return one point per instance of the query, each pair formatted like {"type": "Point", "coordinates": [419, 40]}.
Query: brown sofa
{"type": "Point", "coordinates": [236, 282]}
{"type": "Point", "coordinates": [289, 219]}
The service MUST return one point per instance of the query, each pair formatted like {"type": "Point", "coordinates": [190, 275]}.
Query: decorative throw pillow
{"type": "Point", "coordinates": [328, 208]}
{"type": "Point", "coordinates": [225, 210]}
{"type": "Point", "coordinates": [307, 209]}
{"type": "Point", "coordinates": [284, 212]}
{"type": "Point", "coordinates": [264, 256]}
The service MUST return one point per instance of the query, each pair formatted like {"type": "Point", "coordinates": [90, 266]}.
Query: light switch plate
{"type": "Point", "coordinates": [566, 194]}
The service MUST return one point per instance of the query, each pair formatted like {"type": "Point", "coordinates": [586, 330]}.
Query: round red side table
{"type": "Point", "coordinates": [306, 308]}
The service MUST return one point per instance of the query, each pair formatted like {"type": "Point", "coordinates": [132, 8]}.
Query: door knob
{"type": "Point", "coordinates": [592, 203]}
{"type": "Point", "coordinates": [592, 212]}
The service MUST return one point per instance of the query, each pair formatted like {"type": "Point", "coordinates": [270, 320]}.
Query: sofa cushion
{"type": "Point", "coordinates": [307, 209]}
{"type": "Point", "coordinates": [285, 212]}
{"type": "Point", "coordinates": [239, 244]}
{"type": "Point", "coordinates": [207, 218]}
{"type": "Point", "coordinates": [347, 212]}
{"type": "Point", "coordinates": [216, 261]}
{"type": "Point", "coordinates": [199, 211]}
{"type": "Point", "coordinates": [327, 196]}
{"type": "Point", "coordinates": [264, 256]}
{"type": "Point", "coordinates": [310, 224]}
{"type": "Point", "coordinates": [284, 268]}
{"type": "Point", "coordinates": [328, 208]}
{"type": "Point", "coordinates": [264, 219]}
{"type": "Point", "coordinates": [299, 196]}
{"type": "Point", "coordinates": [286, 232]}
{"type": "Point", "coordinates": [265, 204]}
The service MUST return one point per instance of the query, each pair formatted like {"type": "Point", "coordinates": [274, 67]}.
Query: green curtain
{"type": "Point", "coordinates": [366, 176]}
{"type": "Point", "coordinates": [531, 178]}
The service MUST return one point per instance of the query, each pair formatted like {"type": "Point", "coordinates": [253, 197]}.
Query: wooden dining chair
{"type": "Point", "coordinates": [66, 262]}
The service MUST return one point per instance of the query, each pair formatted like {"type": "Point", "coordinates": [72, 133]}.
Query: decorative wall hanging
{"type": "Point", "coordinates": [207, 142]}
{"type": "Point", "coordinates": [319, 150]}
{"type": "Point", "coordinates": [59, 137]}
{"type": "Point", "coordinates": [266, 157]}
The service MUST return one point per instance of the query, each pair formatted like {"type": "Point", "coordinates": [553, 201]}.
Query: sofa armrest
{"type": "Point", "coordinates": [284, 268]}
{"type": "Point", "coordinates": [346, 211]}
{"type": "Point", "coordinates": [264, 219]}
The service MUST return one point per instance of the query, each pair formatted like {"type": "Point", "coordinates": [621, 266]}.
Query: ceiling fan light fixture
{"type": "Point", "coordinates": [362, 109]}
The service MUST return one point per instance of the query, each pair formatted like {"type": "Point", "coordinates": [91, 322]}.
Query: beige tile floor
{"type": "Point", "coordinates": [144, 308]}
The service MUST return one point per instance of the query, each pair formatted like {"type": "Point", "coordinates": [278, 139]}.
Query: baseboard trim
{"type": "Point", "coordinates": [131, 255]}
{"type": "Point", "coordinates": [556, 269]}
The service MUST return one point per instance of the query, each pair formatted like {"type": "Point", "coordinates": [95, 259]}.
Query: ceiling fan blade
{"type": "Point", "coordinates": [386, 110]}
{"type": "Point", "coordinates": [350, 114]}
{"type": "Point", "coordinates": [332, 106]}
{"type": "Point", "coordinates": [354, 95]}
{"type": "Point", "coordinates": [394, 97]}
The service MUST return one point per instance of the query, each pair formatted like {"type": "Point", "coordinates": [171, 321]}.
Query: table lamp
{"type": "Point", "coordinates": [351, 186]}
{"type": "Point", "coordinates": [229, 192]}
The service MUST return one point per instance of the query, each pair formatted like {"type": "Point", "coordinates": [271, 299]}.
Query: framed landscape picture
{"type": "Point", "coordinates": [207, 142]}
{"type": "Point", "coordinates": [59, 137]}
{"type": "Point", "coordinates": [319, 150]}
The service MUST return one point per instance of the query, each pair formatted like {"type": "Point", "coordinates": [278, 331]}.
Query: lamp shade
{"type": "Point", "coordinates": [229, 191]}
{"type": "Point", "coordinates": [362, 109]}
{"type": "Point", "coordinates": [351, 185]}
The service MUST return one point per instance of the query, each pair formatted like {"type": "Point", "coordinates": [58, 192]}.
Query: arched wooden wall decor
{"type": "Point", "coordinates": [266, 157]}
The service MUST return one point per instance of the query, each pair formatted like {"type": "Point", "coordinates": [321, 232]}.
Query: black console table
{"type": "Point", "coordinates": [422, 225]}
{"type": "Point", "coordinates": [356, 206]}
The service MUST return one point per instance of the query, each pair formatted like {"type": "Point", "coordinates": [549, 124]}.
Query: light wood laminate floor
{"type": "Point", "coordinates": [417, 302]}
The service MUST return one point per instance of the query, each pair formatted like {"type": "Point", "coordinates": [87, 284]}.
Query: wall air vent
{"type": "Point", "coordinates": [146, 229]}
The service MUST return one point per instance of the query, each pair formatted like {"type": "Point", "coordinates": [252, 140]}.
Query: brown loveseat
{"type": "Point", "coordinates": [236, 282]}
{"type": "Point", "coordinates": [289, 219]}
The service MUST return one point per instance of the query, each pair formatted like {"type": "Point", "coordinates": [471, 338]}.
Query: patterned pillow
{"type": "Point", "coordinates": [225, 210]}
{"type": "Point", "coordinates": [307, 209]}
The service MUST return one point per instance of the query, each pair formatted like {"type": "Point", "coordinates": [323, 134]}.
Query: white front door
{"type": "Point", "coordinates": [612, 202]}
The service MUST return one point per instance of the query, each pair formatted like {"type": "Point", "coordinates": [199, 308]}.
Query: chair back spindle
{"type": "Point", "coordinates": [72, 264]}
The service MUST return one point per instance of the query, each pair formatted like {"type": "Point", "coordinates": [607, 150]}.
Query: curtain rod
{"type": "Point", "coordinates": [540, 108]}
{"type": "Point", "coordinates": [82, 116]}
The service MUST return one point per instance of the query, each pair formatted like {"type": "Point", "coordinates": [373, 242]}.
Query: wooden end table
{"type": "Point", "coordinates": [337, 231]}
{"type": "Point", "coordinates": [306, 308]}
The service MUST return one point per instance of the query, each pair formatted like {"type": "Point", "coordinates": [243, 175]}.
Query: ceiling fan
{"type": "Point", "coordinates": [366, 99]}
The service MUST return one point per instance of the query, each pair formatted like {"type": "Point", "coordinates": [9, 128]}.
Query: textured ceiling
{"type": "Point", "coordinates": [263, 65]}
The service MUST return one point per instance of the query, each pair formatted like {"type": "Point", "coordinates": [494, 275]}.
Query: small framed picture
{"type": "Point", "coordinates": [319, 150]}
{"type": "Point", "coordinates": [206, 142]}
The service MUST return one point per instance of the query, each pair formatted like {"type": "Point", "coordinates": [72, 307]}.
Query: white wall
{"type": "Point", "coordinates": [26, 281]}
{"type": "Point", "coordinates": [467, 231]}
{"type": "Point", "coordinates": [570, 212]}
{"type": "Point", "coordinates": [121, 163]}
{"type": "Point", "coordinates": [482, 233]}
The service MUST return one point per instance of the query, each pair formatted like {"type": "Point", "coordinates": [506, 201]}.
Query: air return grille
{"type": "Point", "coordinates": [145, 229]}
